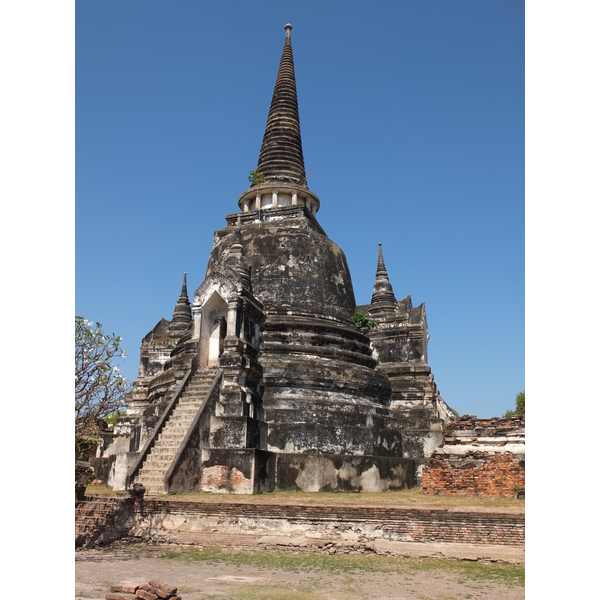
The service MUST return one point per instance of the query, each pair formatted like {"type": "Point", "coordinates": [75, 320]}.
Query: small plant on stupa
{"type": "Point", "coordinates": [256, 177]}
{"type": "Point", "coordinates": [362, 321]}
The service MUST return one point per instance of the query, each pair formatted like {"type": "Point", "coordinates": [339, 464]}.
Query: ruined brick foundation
{"type": "Point", "coordinates": [479, 457]}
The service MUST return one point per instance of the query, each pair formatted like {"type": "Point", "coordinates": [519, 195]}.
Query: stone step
{"type": "Point", "coordinates": [186, 412]}
{"type": "Point", "coordinates": [195, 387]}
{"type": "Point", "coordinates": [151, 478]}
{"type": "Point", "coordinates": [180, 419]}
{"type": "Point", "coordinates": [165, 447]}
{"type": "Point", "coordinates": [178, 431]}
{"type": "Point", "coordinates": [167, 443]}
{"type": "Point", "coordinates": [166, 454]}
{"type": "Point", "coordinates": [152, 485]}
{"type": "Point", "coordinates": [150, 475]}
{"type": "Point", "coordinates": [157, 465]}
{"type": "Point", "coordinates": [185, 408]}
{"type": "Point", "coordinates": [172, 433]}
{"type": "Point", "coordinates": [190, 401]}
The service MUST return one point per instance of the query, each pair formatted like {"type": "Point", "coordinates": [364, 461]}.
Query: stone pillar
{"type": "Point", "coordinates": [197, 325]}
{"type": "Point", "coordinates": [257, 201]}
{"type": "Point", "coordinates": [274, 198]}
{"type": "Point", "coordinates": [246, 207]}
{"type": "Point", "coordinates": [232, 319]}
{"type": "Point", "coordinates": [294, 198]}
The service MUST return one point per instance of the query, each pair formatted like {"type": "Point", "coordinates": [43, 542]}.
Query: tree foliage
{"type": "Point", "coordinates": [100, 389]}
{"type": "Point", "coordinates": [362, 321]}
{"type": "Point", "coordinates": [519, 407]}
{"type": "Point", "coordinates": [520, 410]}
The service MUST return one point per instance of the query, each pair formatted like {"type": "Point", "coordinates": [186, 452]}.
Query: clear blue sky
{"type": "Point", "coordinates": [412, 117]}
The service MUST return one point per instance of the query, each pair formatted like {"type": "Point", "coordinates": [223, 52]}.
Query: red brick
{"type": "Point", "coordinates": [129, 587]}
{"type": "Point", "coordinates": [146, 595]}
{"type": "Point", "coordinates": [165, 587]}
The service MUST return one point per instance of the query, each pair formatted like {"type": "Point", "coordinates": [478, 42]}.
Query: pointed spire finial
{"type": "Point", "coordinates": [381, 272]}
{"type": "Point", "coordinates": [383, 299]}
{"type": "Point", "coordinates": [183, 310]}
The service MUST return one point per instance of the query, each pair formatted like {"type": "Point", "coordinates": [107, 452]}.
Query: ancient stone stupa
{"type": "Point", "coordinates": [264, 380]}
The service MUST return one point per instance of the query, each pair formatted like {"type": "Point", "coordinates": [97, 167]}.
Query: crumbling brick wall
{"type": "Point", "coordinates": [101, 520]}
{"type": "Point", "coordinates": [479, 457]}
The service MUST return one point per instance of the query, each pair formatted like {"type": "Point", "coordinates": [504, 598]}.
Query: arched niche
{"type": "Point", "coordinates": [213, 329]}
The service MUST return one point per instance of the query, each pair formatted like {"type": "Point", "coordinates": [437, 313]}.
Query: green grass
{"type": "Point", "coordinates": [413, 498]}
{"type": "Point", "coordinates": [508, 574]}
{"type": "Point", "coordinates": [186, 590]}
{"type": "Point", "coordinates": [272, 592]}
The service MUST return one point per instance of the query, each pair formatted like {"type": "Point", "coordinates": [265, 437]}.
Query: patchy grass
{"type": "Point", "coordinates": [102, 490]}
{"type": "Point", "coordinates": [507, 574]}
{"type": "Point", "coordinates": [413, 498]}
{"type": "Point", "coordinates": [272, 592]}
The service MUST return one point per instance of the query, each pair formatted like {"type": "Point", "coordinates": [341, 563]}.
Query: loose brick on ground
{"type": "Point", "coordinates": [169, 589]}
{"type": "Point", "coordinates": [146, 595]}
{"type": "Point", "coordinates": [129, 587]}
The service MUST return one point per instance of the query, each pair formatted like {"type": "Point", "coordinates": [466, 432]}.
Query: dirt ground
{"type": "Point", "coordinates": [96, 570]}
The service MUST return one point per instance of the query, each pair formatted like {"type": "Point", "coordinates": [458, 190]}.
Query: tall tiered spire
{"type": "Point", "coordinates": [281, 156]}
{"type": "Point", "coordinates": [383, 299]}
{"type": "Point", "coordinates": [183, 312]}
{"type": "Point", "coordinates": [282, 179]}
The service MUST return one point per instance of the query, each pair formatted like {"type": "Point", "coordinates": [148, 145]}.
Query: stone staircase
{"type": "Point", "coordinates": [158, 460]}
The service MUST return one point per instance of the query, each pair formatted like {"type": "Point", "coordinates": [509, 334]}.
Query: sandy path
{"type": "Point", "coordinates": [96, 570]}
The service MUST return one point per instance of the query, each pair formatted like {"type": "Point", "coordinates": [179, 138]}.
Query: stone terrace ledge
{"type": "Point", "coordinates": [471, 534]}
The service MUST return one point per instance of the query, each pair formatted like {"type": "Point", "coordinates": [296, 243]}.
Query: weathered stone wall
{"type": "Point", "coordinates": [324, 522]}
{"type": "Point", "coordinates": [456, 533]}
{"type": "Point", "coordinates": [479, 457]}
{"type": "Point", "coordinates": [337, 473]}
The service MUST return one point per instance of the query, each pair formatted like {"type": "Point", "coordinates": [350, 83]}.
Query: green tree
{"type": "Point", "coordinates": [519, 407]}
{"type": "Point", "coordinates": [520, 410]}
{"type": "Point", "coordinates": [100, 389]}
{"type": "Point", "coordinates": [362, 321]}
